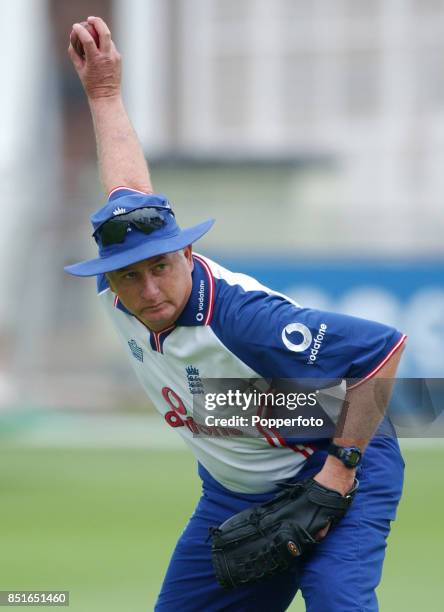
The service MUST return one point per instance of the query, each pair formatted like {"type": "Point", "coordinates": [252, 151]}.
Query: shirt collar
{"type": "Point", "coordinates": [200, 305]}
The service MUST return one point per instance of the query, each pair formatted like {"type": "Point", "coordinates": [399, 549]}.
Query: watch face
{"type": "Point", "coordinates": [353, 457]}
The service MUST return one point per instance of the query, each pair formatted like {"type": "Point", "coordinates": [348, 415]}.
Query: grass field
{"type": "Point", "coordinates": [102, 524]}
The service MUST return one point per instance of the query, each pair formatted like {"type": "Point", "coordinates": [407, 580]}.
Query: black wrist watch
{"type": "Point", "coordinates": [351, 456]}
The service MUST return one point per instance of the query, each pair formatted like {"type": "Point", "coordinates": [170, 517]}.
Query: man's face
{"type": "Point", "coordinates": [155, 290]}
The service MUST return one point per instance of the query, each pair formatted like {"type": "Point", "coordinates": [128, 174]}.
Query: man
{"type": "Point", "coordinates": [182, 318]}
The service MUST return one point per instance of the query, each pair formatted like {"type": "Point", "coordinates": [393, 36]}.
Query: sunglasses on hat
{"type": "Point", "coordinates": [146, 220]}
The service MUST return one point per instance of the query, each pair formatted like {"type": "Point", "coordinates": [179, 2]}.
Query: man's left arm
{"type": "Point", "coordinates": [364, 408]}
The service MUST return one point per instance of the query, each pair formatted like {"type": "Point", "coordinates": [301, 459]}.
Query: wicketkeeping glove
{"type": "Point", "coordinates": [264, 540]}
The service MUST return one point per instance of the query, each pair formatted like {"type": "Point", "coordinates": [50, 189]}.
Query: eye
{"type": "Point", "coordinates": [160, 267]}
{"type": "Point", "coordinates": [129, 275]}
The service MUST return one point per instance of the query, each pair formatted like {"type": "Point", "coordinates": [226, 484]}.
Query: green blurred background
{"type": "Point", "coordinates": [102, 523]}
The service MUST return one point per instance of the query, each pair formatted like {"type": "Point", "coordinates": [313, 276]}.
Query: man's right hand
{"type": "Point", "coordinates": [120, 155]}
{"type": "Point", "coordinates": [100, 70]}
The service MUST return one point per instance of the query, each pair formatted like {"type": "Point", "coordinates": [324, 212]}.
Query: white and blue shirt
{"type": "Point", "coordinates": [234, 327]}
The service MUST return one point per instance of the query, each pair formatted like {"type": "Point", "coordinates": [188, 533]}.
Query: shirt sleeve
{"type": "Point", "coordinates": [118, 192]}
{"type": "Point", "coordinates": [278, 339]}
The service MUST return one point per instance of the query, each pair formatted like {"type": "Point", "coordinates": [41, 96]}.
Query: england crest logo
{"type": "Point", "coordinates": [136, 350]}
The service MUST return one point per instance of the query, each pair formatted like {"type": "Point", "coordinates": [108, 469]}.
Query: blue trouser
{"type": "Point", "coordinates": [340, 576]}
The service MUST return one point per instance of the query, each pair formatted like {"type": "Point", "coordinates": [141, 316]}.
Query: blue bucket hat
{"type": "Point", "coordinates": [136, 245]}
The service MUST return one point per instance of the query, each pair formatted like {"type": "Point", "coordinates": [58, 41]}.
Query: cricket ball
{"type": "Point", "coordinates": [76, 42]}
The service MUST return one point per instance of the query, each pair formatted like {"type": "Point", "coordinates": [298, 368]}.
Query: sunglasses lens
{"type": "Point", "coordinates": [147, 227]}
{"type": "Point", "coordinates": [146, 220]}
{"type": "Point", "coordinates": [113, 233]}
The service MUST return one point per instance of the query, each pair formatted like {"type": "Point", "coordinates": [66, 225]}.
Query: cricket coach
{"type": "Point", "coordinates": [183, 318]}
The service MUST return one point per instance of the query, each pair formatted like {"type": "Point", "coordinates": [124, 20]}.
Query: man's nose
{"type": "Point", "coordinates": [150, 289]}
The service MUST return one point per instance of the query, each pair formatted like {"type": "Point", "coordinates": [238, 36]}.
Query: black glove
{"type": "Point", "coordinates": [264, 540]}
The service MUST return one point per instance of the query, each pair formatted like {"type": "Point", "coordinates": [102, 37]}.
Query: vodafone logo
{"type": "Point", "coordinates": [305, 334]}
{"type": "Point", "coordinates": [200, 301]}
{"type": "Point", "coordinates": [317, 344]}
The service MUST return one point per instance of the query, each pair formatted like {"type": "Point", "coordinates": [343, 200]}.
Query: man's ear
{"type": "Point", "coordinates": [188, 252]}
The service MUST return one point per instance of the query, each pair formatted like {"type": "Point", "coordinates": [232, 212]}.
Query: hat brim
{"type": "Point", "coordinates": [150, 248]}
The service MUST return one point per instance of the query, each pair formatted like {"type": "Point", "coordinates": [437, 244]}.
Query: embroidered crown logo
{"type": "Point", "coordinates": [136, 350]}
{"type": "Point", "coordinates": [194, 380]}
{"type": "Point", "coordinates": [119, 211]}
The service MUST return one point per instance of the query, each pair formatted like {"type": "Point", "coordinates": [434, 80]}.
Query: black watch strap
{"type": "Point", "coordinates": [351, 456]}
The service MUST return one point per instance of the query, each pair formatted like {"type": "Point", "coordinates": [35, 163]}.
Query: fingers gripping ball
{"type": "Point", "coordinates": [77, 43]}
{"type": "Point", "coordinates": [264, 540]}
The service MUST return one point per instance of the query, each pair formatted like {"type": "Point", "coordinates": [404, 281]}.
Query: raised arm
{"type": "Point", "coordinates": [120, 155]}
